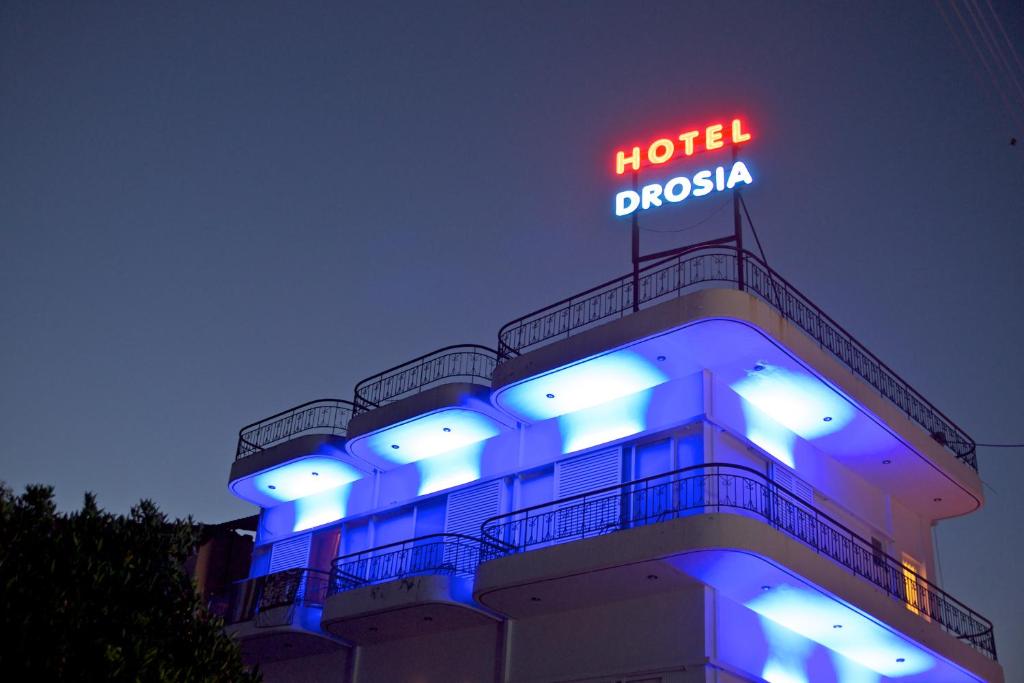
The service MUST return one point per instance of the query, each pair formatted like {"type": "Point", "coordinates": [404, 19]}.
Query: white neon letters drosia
{"type": "Point", "coordinates": [677, 189]}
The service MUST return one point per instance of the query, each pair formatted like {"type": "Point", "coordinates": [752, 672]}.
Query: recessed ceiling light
{"type": "Point", "coordinates": [765, 588]}
{"type": "Point", "coordinates": [652, 577]}
{"type": "Point", "coordinates": [447, 429]}
{"type": "Point", "coordinates": [395, 446]}
{"type": "Point", "coordinates": [551, 395]}
{"type": "Point", "coordinates": [272, 487]}
{"type": "Point", "coordinates": [535, 599]}
{"type": "Point", "coordinates": [900, 660]}
{"type": "Point", "coordinates": [758, 368]}
{"type": "Point", "coordinates": [315, 474]}
{"type": "Point", "coordinates": [887, 462]}
{"type": "Point", "coordinates": [837, 625]}
{"type": "Point", "coordinates": [661, 357]}
{"type": "Point", "coordinates": [828, 418]}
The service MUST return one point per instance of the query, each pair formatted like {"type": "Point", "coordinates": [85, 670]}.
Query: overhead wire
{"type": "Point", "coordinates": [1009, 44]}
{"type": "Point", "coordinates": [1016, 118]}
{"type": "Point", "coordinates": [691, 226]}
{"type": "Point", "coordinates": [995, 49]}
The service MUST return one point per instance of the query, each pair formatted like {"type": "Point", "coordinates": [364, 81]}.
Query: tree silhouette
{"type": "Point", "coordinates": [90, 596]}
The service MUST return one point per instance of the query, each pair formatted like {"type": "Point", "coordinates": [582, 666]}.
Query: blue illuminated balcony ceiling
{"type": "Point", "coordinates": [761, 390]}
{"type": "Point", "coordinates": [438, 432]}
{"type": "Point", "coordinates": [299, 477]}
{"type": "Point", "coordinates": [866, 648]}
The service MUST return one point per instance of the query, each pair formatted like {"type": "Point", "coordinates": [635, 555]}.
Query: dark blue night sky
{"type": "Point", "coordinates": [214, 211]}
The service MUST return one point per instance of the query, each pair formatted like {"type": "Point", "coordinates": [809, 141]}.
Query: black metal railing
{"type": "Point", "coordinates": [707, 267]}
{"type": "Point", "coordinates": [248, 599]}
{"type": "Point", "coordinates": [322, 416]}
{"type": "Point", "coordinates": [736, 489]}
{"type": "Point", "coordinates": [462, 362]}
{"type": "Point", "coordinates": [452, 554]}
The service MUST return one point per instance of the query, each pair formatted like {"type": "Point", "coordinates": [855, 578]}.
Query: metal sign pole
{"type": "Point", "coordinates": [636, 250]}
{"type": "Point", "coordinates": [738, 228]}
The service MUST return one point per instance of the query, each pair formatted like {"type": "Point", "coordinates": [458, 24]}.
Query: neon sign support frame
{"type": "Point", "coordinates": [736, 238]}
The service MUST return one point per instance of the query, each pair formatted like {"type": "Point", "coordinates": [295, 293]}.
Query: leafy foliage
{"type": "Point", "coordinates": [90, 595]}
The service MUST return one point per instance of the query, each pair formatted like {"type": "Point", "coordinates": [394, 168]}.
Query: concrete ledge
{"type": "Point", "coordinates": [283, 452]}
{"type": "Point", "coordinates": [435, 398]}
{"type": "Point", "coordinates": [295, 632]}
{"type": "Point", "coordinates": [403, 608]}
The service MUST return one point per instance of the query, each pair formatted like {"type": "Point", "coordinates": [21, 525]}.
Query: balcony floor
{"type": "Point", "coordinates": [412, 606]}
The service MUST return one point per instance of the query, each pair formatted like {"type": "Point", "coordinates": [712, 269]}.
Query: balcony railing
{"type": "Point", "coordinates": [256, 599]}
{"type": "Point", "coordinates": [708, 267]}
{"type": "Point", "coordinates": [449, 554]}
{"type": "Point", "coordinates": [463, 362]}
{"type": "Point", "coordinates": [738, 489]}
{"type": "Point", "coordinates": [323, 416]}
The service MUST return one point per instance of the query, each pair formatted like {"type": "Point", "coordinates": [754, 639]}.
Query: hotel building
{"type": "Point", "coordinates": [694, 474]}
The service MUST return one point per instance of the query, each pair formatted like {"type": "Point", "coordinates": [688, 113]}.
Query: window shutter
{"type": "Point", "coordinates": [792, 483]}
{"type": "Point", "coordinates": [290, 554]}
{"type": "Point", "coordinates": [468, 508]}
{"type": "Point", "coordinates": [589, 472]}
{"type": "Point", "coordinates": [594, 515]}
{"type": "Point", "coordinates": [467, 511]}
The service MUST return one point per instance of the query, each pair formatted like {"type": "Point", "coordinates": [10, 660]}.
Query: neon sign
{"type": "Point", "coordinates": [686, 144]}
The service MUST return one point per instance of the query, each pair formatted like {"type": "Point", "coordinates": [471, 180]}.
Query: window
{"type": "Point", "coordinates": [916, 590]}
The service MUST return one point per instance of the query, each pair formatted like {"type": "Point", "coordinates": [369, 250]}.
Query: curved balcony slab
{"type": "Point", "coordinates": [747, 561]}
{"type": "Point", "coordinates": [438, 420]}
{"type": "Point", "coordinates": [402, 608]}
{"type": "Point", "coordinates": [782, 377]}
{"type": "Point", "coordinates": [294, 469]}
{"type": "Point", "coordinates": [283, 633]}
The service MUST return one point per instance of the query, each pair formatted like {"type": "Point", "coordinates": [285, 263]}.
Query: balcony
{"type": "Point", "coordinates": [295, 453]}
{"type": "Point", "coordinates": [729, 527]}
{"type": "Point", "coordinates": [705, 268]}
{"type": "Point", "coordinates": [422, 585]}
{"type": "Point", "coordinates": [277, 616]}
{"type": "Point", "coordinates": [432, 405]}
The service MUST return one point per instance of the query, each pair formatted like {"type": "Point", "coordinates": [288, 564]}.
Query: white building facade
{"type": "Point", "coordinates": [710, 481]}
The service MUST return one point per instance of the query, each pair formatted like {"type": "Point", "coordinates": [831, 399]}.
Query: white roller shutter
{"type": "Point", "coordinates": [792, 483]}
{"type": "Point", "coordinates": [596, 514]}
{"type": "Point", "coordinates": [290, 554]}
{"type": "Point", "coordinates": [588, 472]}
{"type": "Point", "coordinates": [468, 508]}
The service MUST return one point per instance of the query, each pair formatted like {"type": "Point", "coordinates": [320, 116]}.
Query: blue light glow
{"type": "Point", "coordinates": [583, 385]}
{"type": "Point", "coordinates": [450, 469]}
{"type": "Point", "coordinates": [777, 672]}
{"type": "Point", "coordinates": [850, 672]}
{"type": "Point", "coordinates": [321, 508]}
{"type": "Point", "coordinates": [296, 479]}
{"type": "Point", "coordinates": [804, 404]}
{"type": "Point", "coordinates": [769, 435]}
{"type": "Point", "coordinates": [604, 423]}
{"type": "Point", "coordinates": [788, 654]}
{"type": "Point", "coordinates": [815, 616]}
{"type": "Point", "coordinates": [431, 434]}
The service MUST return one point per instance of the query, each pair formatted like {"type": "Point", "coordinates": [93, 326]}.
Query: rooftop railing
{"type": "Point", "coordinates": [734, 489]}
{"type": "Point", "coordinates": [257, 599]}
{"type": "Point", "coordinates": [710, 267]}
{"type": "Point", "coordinates": [448, 554]}
{"type": "Point", "coordinates": [463, 362]}
{"type": "Point", "coordinates": [322, 416]}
